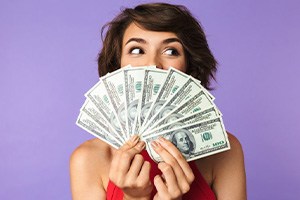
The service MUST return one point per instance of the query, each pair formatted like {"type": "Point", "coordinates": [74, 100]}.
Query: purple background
{"type": "Point", "coordinates": [48, 55]}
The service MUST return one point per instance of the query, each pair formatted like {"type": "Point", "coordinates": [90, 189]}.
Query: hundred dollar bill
{"type": "Point", "coordinates": [205, 90]}
{"type": "Point", "coordinates": [85, 122]}
{"type": "Point", "coordinates": [98, 95]}
{"type": "Point", "coordinates": [195, 140]}
{"type": "Point", "coordinates": [114, 84]}
{"type": "Point", "coordinates": [173, 123]}
{"type": "Point", "coordinates": [174, 81]}
{"type": "Point", "coordinates": [190, 89]}
{"type": "Point", "coordinates": [91, 110]}
{"type": "Point", "coordinates": [197, 103]}
{"type": "Point", "coordinates": [153, 80]}
{"type": "Point", "coordinates": [133, 78]}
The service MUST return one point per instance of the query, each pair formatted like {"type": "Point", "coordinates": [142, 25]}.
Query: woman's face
{"type": "Point", "coordinates": [141, 47]}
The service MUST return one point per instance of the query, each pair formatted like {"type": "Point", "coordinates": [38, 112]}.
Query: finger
{"type": "Point", "coordinates": [125, 157]}
{"type": "Point", "coordinates": [167, 157]}
{"type": "Point", "coordinates": [161, 188]}
{"type": "Point", "coordinates": [130, 143]}
{"type": "Point", "coordinates": [181, 178]}
{"type": "Point", "coordinates": [170, 179]}
{"type": "Point", "coordinates": [144, 175]}
{"type": "Point", "coordinates": [122, 161]}
{"type": "Point", "coordinates": [145, 171]}
{"type": "Point", "coordinates": [169, 149]}
{"type": "Point", "coordinates": [136, 166]}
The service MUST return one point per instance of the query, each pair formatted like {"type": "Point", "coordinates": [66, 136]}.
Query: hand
{"type": "Point", "coordinates": [130, 172]}
{"type": "Point", "coordinates": [177, 175]}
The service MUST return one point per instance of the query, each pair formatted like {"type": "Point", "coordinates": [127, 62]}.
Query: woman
{"type": "Point", "coordinates": [163, 35]}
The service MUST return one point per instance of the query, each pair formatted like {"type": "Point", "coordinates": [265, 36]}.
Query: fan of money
{"type": "Point", "coordinates": [154, 103]}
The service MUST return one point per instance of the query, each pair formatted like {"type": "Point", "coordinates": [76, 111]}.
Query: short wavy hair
{"type": "Point", "coordinates": [164, 17]}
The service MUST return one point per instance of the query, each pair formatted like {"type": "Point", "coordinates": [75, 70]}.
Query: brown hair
{"type": "Point", "coordinates": [201, 64]}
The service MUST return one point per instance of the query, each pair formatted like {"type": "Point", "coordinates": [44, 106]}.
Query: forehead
{"type": "Point", "coordinates": [180, 135]}
{"type": "Point", "coordinates": [134, 31]}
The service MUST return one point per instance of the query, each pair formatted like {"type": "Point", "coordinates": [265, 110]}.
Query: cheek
{"type": "Point", "coordinates": [181, 67]}
{"type": "Point", "coordinates": [179, 64]}
{"type": "Point", "coordinates": [127, 60]}
{"type": "Point", "coordinates": [123, 61]}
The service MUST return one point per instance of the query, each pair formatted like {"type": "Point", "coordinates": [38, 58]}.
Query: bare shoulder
{"type": "Point", "coordinates": [89, 166]}
{"type": "Point", "coordinates": [235, 154]}
{"type": "Point", "coordinates": [92, 156]}
{"type": "Point", "coordinates": [225, 172]}
{"type": "Point", "coordinates": [91, 151]}
{"type": "Point", "coordinates": [229, 178]}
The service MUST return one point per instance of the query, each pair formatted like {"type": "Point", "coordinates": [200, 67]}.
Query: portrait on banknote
{"type": "Point", "coordinates": [184, 141]}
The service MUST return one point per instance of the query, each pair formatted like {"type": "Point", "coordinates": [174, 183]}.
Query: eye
{"type": "Point", "coordinates": [136, 51]}
{"type": "Point", "coordinates": [171, 52]}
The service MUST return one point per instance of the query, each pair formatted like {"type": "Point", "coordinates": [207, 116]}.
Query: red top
{"type": "Point", "coordinates": [199, 189]}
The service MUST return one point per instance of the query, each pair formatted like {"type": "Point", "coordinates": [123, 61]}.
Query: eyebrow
{"type": "Point", "coordinates": [170, 40]}
{"type": "Point", "coordinates": [166, 41]}
{"type": "Point", "coordinates": [138, 40]}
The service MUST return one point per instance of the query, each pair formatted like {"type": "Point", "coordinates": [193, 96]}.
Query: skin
{"type": "Point", "coordinates": [94, 162]}
{"type": "Point", "coordinates": [142, 47]}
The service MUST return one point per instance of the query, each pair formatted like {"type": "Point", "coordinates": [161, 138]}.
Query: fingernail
{"type": "Point", "coordinates": [161, 139]}
{"type": "Point", "coordinates": [141, 145]}
{"type": "Point", "coordinates": [134, 138]}
{"type": "Point", "coordinates": [154, 144]}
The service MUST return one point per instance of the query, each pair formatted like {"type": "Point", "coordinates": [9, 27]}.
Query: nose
{"type": "Point", "coordinates": [185, 141]}
{"type": "Point", "coordinates": [155, 59]}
